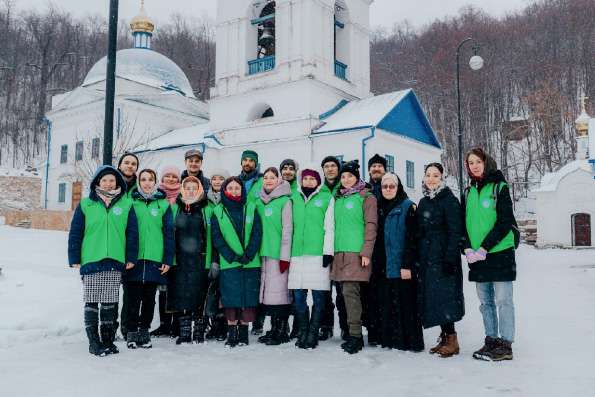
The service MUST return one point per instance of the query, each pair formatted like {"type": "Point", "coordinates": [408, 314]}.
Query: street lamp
{"type": "Point", "coordinates": [475, 63]}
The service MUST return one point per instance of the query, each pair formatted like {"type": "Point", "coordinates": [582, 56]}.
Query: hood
{"type": "Point", "coordinates": [227, 202]}
{"type": "Point", "coordinates": [314, 193]}
{"type": "Point", "coordinates": [101, 171]}
{"type": "Point", "coordinates": [282, 189]}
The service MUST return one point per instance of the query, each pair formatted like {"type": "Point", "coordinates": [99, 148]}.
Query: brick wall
{"type": "Point", "coordinates": [40, 219]}
{"type": "Point", "coordinates": [20, 193]}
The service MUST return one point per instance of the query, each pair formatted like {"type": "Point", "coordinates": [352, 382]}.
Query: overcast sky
{"type": "Point", "coordinates": [383, 13]}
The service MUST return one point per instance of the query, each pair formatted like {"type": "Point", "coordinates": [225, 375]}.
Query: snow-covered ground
{"type": "Point", "coordinates": [43, 349]}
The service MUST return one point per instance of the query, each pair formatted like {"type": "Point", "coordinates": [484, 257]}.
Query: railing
{"type": "Point", "coordinates": [261, 65]}
{"type": "Point", "coordinates": [340, 70]}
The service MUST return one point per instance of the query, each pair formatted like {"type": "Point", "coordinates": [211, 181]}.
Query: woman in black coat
{"type": "Point", "coordinates": [188, 279]}
{"type": "Point", "coordinates": [440, 231]}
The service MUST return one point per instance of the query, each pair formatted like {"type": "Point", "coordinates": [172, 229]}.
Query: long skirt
{"type": "Point", "coordinates": [102, 287]}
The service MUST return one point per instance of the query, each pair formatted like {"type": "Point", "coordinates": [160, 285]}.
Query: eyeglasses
{"type": "Point", "coordinates": [389, 187]}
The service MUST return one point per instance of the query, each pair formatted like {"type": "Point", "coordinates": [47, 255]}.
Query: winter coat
{"type": "Point", "coordinates": [188, 279]}
{"type": "Point", "coordinates": [273, 283]}
{"type": "Point", "coordinates": [252, 183]}
{"type": "Point", "coordinates": [240, 286]}
{"type": "Point", "coordinates": [306, 271]}
{"type": "Point", "coordinates": [440, 275]}
{"type": "Point", "coordinates": [347, 266]}
{"type": "Point", "coordinates": [79, 232]}
{"type": "Point", "coordinates": [147, 271]}
{"type": "Point", "coordinates": [498, 266]}
{"type": "Point", "coordinates": [206, 183]}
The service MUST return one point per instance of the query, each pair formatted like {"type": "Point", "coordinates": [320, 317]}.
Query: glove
{"type": "Point", "coordinates": [283, 266]}
{"type": "Point", "coordinates": [449, 268]}
{"type": "Point", "coordinates": [214, 271]}
{"type": "Point", "coordinates": [470, 255]}
{"type": "Point", "coordinates": [481, 254]}
{"type": "Point", "coordinates": [327, 260]}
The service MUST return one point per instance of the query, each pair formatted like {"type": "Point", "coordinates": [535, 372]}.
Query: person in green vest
{"type": "Point", "coordinates": [188, 279]}
{"type": "Point", "coordinates": [330, 167]}
{"type": "Point", "coordinates": [102, 242]}
{"type": "Point", "coordinates": [237, 234]}
{"type": "Point", "coordinates": [252, 180]}
{"type": "Point", "coordinates": [490, 252]}
{"type": "Point", "coordinates": [312, 251]}
{"type": "Point", "coordinates": [289, 170]}
{"type": "Point", "coordinates": [155, 257]}
{"type": "Point", "coordinates": [275, 212]}
{"type": "Point", "coordinates": [356, 222]}
{"type": "Point", "coordinates": [128, 166]}
{"type": "Point", "coordinates": [217, 328]}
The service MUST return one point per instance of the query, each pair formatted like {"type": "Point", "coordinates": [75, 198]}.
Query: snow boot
{"type": "Point", "coordinates": [107, 326]}
{"type": "Point", "coordinates": [302, 321]}
{"type": "Point", "coordinates": [281, 335]}
{"type": "Point", "coordinates": [441, 341]}
{"type": "Point", "coordinates": [144, 339]}
{"type": "Point", "coordinates": [312, 338]}
{"type": "Point", "coordinates": [132, 339]}
{"type": "Point", "coordinates": [232, 336]}
{"type": "Point", "coordinates": [165, 319]}
{"type": "Point", "coordinates": [258, 324]}
{"type": "Point", "coordinates": [353, 344]}
{"type": "Point", "coordinates": [91, 318]}
{"type": "Point", "coordinates": [502, 351]}
{"type": "Point", "coordinates": [484, 352]}
{"type": "Point", "coordinates": [243, 335]}
{"type": "Point", "coordinates": [198, 333]}
{"type": "Point", "coordinates": [326, 332]}
{"type": "Point", "coordinates": [295, 328]}
{"type": "Point", "coordinates": [450, 346]}
{"type": "Point", "coordinates": [185, 329]}
{"type": "Point", "coordinates": [269, 334]}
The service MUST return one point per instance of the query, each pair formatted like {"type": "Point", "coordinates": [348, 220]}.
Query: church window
{"type": "Point", "coordinates": [62, 193]}
{"type": "Point", "coordinates": [78, 151]}
{"type": "Point", "coordinates": [63, 154]}
{"type": "Point", "coordinates": [265, 39]}
{"type": "Point", "coordinates": [95, 148]}
{"type": "Point", "coordinates": [410, 169]}
{"type": "Point", "coordinates": [341, 39]}
{"type": "Point", "coordinates": [390, 163]}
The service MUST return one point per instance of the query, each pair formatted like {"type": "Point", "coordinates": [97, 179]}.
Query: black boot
{"type": "Point", "coordinates": [282, 333]}
{"type": "Point", "coordinates": [107, 327]}
{"type": "Point", "coordinates": [132, 338]}
{"type": "Point", "coordinates": [311, 340]}
{"type": "Point", "coordinates": [303, 323]}
{"type": "Point", "coordinates": [144, 339]}
{"type": "Point", "coordinates": [258, 324]}
{"type": "Point", "coordinates": [353, 344]}
{"type": "Point", "coordinates": [175, 325]}
{"type": "Point", "coordinates": [198, 334]}
{"type": "Point", "coordinates": [326, 332]}
{"type": "Point", "coordinates": [243, 335]}
{"type": "Point", "coordinates": [294, 327]}
{"type": "Point", "coordinates": [185, 321]}
{"type": "Point", "coordinates": [165, 319]}
{"type": "Point", "coordinates": [269, 334]}
{"type": "Point", "coordinates": [232, 336]}
{"type": "Point", "coordinates": [91, 316]}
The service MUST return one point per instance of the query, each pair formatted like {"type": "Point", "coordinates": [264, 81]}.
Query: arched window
{"type": "Point", "coordinates": [260, 111]}
{"type": "Point", "coordinates": [262, 55]}
{"type": "Point", "coordinates": [341, 42]}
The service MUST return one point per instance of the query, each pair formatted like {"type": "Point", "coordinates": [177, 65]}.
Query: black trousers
{"type": "Point", "coordinates": [328, 315]}
{"type": "Point", "coordinates": [141, 306]}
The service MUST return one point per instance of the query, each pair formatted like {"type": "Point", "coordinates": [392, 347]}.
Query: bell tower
{"type": "Point", "coordinates": [289, 58]}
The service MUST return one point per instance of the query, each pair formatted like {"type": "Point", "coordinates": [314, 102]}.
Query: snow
{"type": "Point", "coordinates": [550, 181]}
{"type": "Point", "coordinates": [362, 113]}
{"type": "Point", "coordinates": [43, 350]}
{"type": "Point", "coordinates": [143, 66]}
{"type": "Point", "coordinates": [192, 135]}
{"type": "Point", "coordinates": [19, 172]}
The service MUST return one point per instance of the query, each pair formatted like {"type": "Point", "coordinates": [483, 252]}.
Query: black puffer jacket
{"type": "Point", "coordinates": [440, 233]}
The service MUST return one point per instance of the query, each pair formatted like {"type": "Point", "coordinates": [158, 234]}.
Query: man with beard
{"type": "Point", "coordinates": [193, 161]}
{"type": "Point", "coordinates": [250, 175]}
{"type": "Point", "coordinates": [289, 170]}
{"type": "Point", "coordinates": [376, 169]}
{"type": "Point", "coordinates": [331, 167]}
{"type": "Point", "coordinates": [128, 166]}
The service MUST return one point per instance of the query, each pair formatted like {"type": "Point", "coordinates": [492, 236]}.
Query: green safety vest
{"type": "Point", "coordinates": [105, 230]}
{"type": "Point", "coordinates": [254, 193]}
{"type": "Point", "coordinates": [349, 223]}
{"type": "Point", "coordinates": [326, 189]}
{"type": "Point", "coordinates": [272, 226]}
{"type": "Point", "coordinates": [231, 236]}
{"type": "Point", "coordinates": [481, 216]}
{"type": "Point", "coordinates": [206, 216]}
{"type": "Point", "coordinates": [150, 228]}
{"type": "Point", "coordinates": [308, 223]}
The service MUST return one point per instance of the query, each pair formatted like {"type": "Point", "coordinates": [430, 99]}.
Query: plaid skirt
{"type": "Point", "coordinates": [102, 287]}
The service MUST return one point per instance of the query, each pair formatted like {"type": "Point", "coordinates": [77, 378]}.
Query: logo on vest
{"type": "Point", "coordinates": [154, 211]}
{"type": "Point", "coordinates": [268, 212]}
{"type": "Point", "coordinates": [318, 203]}
{"type": "Point", "coordinates": [486, 203]}
{"type": "Point", "coordinates": [349, 205]}
{"type": "Point", "coordinates": [249, 218]}
{"type": "Point", "coordinates": [117, 211]}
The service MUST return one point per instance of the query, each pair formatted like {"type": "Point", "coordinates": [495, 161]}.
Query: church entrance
{"type": "Point", "coordinates": [77, 192]}
{"type": "Point", "coordinates": [581, 230]}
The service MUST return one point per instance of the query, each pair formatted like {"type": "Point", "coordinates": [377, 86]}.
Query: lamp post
{"type": "Point", "coordinates": [110, 84]}
{"type": "Point", "coordinates": [475, 63]}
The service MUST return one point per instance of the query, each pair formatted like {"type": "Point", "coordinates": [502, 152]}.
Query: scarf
{"type": "Point", "coordinates": [171, 191]}
{"type": "Point", "coordinates": [358, 187]}
{"type": "Point", "coordinates": [235, 199]}
{"type": "Point", "coordinates": [150, 195]}
{"type": "Point", "coordinates": [308, 191]}
{"type": "Point", "coordinates": [107, 195]}
{"type": "Point", "coordinates": [432, 193]}
{"type": "Point", "coordinates": [214, 197]}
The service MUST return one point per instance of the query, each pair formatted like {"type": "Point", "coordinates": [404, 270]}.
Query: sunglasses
{"type": "Point", "coordinates": [389, 187]}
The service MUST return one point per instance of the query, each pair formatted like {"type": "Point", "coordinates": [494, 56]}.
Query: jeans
{"type": "Point", "coordinates": [492, 296]}
{"type": "Point", "coordinates": [301, 305]}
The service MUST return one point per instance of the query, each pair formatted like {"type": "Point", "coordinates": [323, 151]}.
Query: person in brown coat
{"type": "Point", "coordinates": [356, 222]}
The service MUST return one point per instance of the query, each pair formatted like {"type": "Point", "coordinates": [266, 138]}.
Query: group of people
{"type": "Point", "coordinates": [225, 252]}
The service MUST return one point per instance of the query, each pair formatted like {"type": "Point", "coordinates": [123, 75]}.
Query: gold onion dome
{"type": "Point", "coordinates": [141, 22]}
{"type": "Point", "coordinates": [582, 122]}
